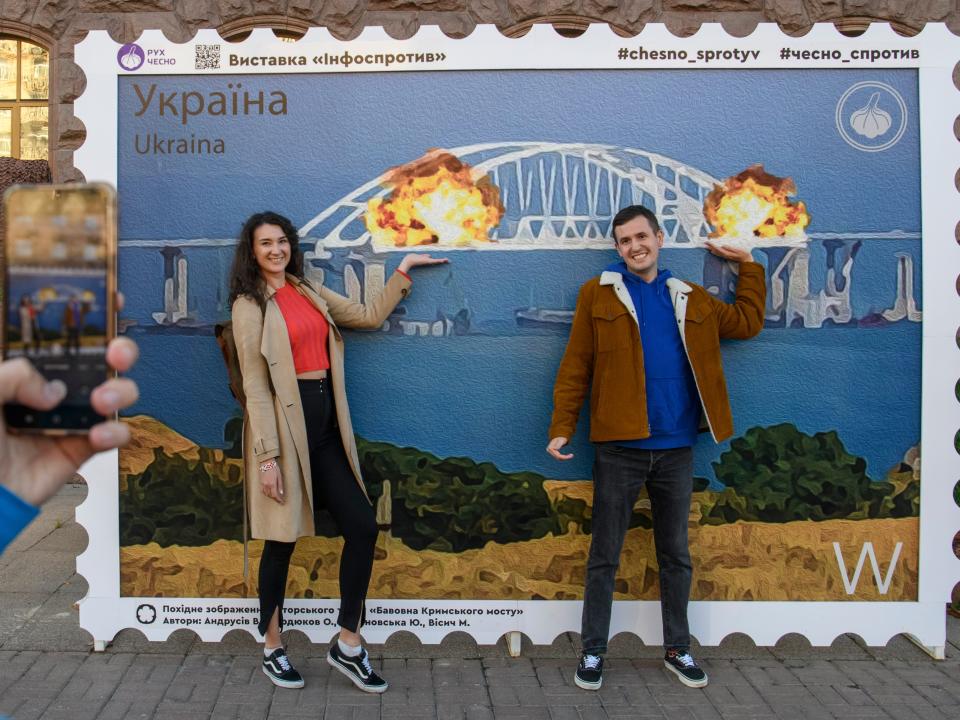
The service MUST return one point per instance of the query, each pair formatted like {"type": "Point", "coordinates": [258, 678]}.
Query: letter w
{"type": "Point", "coordinates": [883, 583]}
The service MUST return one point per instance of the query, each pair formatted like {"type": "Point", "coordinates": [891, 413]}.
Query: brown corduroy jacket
{"type": "Point", "coordinates": [605, 355]}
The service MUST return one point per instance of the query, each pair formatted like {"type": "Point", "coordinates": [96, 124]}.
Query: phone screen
{"type": "Point", "coordinates": [59, 282]}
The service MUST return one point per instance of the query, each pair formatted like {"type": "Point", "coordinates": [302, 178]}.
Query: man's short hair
{"type": "Point", "coordinates": [629, 213]}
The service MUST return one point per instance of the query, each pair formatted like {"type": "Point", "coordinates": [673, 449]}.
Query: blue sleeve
{"type": "Point", "coordinates": [15, 515]}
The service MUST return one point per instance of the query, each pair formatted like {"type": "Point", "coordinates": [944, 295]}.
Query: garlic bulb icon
{"type": "Point", "coordinates": [131, 61]}
{"type": "Point", "coordinates": [870, 121]}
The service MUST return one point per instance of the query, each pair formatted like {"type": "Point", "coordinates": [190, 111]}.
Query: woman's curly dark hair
{"type": "Point", "coordinates": [245, 276]}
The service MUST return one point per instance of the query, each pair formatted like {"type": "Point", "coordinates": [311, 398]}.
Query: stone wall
{"type": "Point", "coordinates": [59, 24]}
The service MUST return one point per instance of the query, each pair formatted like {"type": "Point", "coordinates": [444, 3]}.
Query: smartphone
{"type": "Point", "coordinates": [59, 294]}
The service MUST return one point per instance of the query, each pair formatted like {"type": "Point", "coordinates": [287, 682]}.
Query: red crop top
{"type": "Point", "coordinates": [307, 328]}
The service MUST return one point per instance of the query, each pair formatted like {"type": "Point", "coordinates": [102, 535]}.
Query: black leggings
{"type": "Point", "coordinates": [334, 488]}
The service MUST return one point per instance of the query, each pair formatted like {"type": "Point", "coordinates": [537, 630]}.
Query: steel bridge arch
{"type": "Point", "coordinates": [556, 195]}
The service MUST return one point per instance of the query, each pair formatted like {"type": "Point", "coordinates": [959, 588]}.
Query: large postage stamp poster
{"type": "Point", "coordinates": [510, 157]}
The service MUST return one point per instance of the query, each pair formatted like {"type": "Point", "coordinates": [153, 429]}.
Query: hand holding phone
{"type": "Point", "coordinates": [35, 467]}
{"type": "Point", "coordinates": [59, 298]}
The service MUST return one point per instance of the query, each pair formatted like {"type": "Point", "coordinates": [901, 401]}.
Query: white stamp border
{"type": "Point", "coordinates": [933, 52]}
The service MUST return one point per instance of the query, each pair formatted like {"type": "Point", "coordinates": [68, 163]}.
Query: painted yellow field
{"type": "Point", "coordinates": [742, 561]}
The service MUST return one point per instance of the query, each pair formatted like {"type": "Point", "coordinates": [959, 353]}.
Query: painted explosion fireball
{"type": "Point", "coordinates": [755, 204]}
{"type": "Point", "coordinates": [434, 199]}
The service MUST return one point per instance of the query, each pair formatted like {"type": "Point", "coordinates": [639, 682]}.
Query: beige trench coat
{"type": "Point", "coordinates": [275, 424]}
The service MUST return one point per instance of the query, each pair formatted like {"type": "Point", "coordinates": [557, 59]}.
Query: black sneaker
{"type": "Point", "coordinates": [277, 667]}
{"type": "Point", "coordinates": [358, 669]}
{"type": "Point", "coordinates": [589, 672]}
{"type": "Point", "coordinates": [682, 664]}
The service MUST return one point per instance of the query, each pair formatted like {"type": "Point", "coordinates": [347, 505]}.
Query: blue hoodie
{"type": "Point", "coordinates": [673, 403]}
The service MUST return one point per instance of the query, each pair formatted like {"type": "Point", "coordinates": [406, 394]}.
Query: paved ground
{"type": "Point", "coordinates": [47, 669]}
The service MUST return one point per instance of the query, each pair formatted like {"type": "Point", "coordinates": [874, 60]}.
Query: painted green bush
{"type": "Point", "coordinates": [176, 501]}
{"type": "Point", "coordinates": [780, 474]}
{"type": "Point", "coordinates": [774, 474]}
{"type": "Point", "coordinates": [454, 504]}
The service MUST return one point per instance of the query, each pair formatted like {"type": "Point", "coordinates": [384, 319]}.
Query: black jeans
{"type": "Point", "coordinates": [335, 488]}
{"type": "Point", "coordinates": [619, 473]}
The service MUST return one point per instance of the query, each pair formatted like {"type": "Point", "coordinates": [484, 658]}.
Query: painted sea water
{"type": "Point", "coordinates": [486, 394]}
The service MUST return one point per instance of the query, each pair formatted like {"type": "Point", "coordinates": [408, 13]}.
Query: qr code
{"type": "Point", "coordinates": [207, 57]}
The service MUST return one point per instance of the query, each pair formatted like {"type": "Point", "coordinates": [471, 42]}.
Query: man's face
{"type": "Point", "coordinates": [639, 247]}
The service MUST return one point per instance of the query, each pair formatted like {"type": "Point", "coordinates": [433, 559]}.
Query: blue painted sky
{"type": "Point", "coordinates": [343, 130]}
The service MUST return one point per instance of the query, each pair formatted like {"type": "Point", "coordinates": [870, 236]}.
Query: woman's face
{"type": "Point", "coordinates": [271, 248]}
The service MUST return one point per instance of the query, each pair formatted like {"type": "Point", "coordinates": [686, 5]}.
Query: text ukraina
{"type": "Point", "coordinates": [154, 144]}
{"type": "Point", "coordinates": [184, 105]}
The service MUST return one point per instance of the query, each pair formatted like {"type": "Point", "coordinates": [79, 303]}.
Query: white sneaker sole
{"type": "Point", "coordinates": [684, 679]}
{"type": "Point", "coordinates": [290, 684]}
{"type": "Point", "coordinates": [354, 679]}
{"type": "Point", "coordinates": [585, 684]}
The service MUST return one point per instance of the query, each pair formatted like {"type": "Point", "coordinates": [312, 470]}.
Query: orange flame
{"type": "Point", "coordinates": [755, 204]}
{"type": "Point", "coordinates": [434, 200]}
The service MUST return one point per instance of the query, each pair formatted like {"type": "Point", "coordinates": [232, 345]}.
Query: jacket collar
{"type": "Point", "coordinates": [678, 289]}
{"type": "Point", "coordinates": [678, 286]}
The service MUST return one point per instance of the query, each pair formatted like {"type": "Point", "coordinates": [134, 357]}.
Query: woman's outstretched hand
{"type": "Point", "coordinates": [412, 260]}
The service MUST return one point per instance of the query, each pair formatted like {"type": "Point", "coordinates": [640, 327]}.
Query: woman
{"type": "Point", "coordinates": [299, 450]}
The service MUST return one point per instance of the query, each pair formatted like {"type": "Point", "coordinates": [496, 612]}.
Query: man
{"type": "Point", "coordinates": [647, 346]}
{"type": "Point", "coordinates": [73, 323]}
